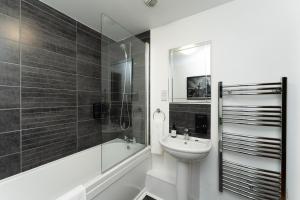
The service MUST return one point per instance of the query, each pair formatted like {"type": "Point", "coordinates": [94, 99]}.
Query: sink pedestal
{"type": "Point", "coordinates": [185, 151]}
{"type": "Point", "coordinates": [182, 181]}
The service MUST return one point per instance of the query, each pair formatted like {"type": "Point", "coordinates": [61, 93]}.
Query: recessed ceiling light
{"type": "Point", "coordinates": [150, 3]}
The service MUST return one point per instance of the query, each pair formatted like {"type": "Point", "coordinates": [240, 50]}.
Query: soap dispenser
{"type": "Point", "coordinates": [173, 131]}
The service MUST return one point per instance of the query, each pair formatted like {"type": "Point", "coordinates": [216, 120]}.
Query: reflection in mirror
{"type": "Point", "coordinates": [190, 90]}
{"type": "Point", "coordinates": [190, 73]}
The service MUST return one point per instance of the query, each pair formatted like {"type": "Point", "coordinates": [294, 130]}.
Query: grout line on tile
{"type": "Point", "coordinates": [77, 96]}
{"type": "Point", "coordinates": [20, 67]}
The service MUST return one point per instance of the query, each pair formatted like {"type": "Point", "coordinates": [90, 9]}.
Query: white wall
{"type": "Point", "coordinates": [252, 41]}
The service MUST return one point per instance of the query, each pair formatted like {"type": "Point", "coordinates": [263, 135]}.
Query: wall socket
{"type": "Point", "coordinates": [164, 95]}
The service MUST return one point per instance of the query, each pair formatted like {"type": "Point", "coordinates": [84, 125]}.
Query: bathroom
{"type": "Point", "coordinates": [149, 99]}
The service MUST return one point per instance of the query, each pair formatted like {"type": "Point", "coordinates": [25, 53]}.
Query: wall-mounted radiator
{"type": "Point", "coordinates": [236, 148]}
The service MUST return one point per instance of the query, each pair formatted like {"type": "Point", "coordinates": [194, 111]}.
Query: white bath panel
{"type": "Point", "coordinates": [164, 188]}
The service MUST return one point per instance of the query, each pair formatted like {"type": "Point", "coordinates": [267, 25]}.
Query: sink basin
{"type": "Point", "coordinates": [186, 150]}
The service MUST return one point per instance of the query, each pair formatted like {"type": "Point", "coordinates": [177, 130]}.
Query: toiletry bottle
{"type": "Point", "coordinates": [173, 131]}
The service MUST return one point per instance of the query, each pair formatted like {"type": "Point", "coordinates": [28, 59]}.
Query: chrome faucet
{"type": "Point", "coordinates": [186, 134]}
{"type": "Point", "coordinates": [128, 140]}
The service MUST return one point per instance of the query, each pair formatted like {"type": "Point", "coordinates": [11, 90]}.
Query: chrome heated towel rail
{"type": "Point", "coordinates": [248, 181]}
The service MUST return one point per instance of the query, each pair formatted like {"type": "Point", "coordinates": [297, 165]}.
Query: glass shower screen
{"type": "Point", "coordinates": [124, 93]}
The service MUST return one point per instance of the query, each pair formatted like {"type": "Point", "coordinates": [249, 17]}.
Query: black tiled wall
{"type": "Point", "coordinates": [187, 116]}
{"type": "Point", "coordinates": [145, 36]}
{"type": "Point", "coordinates": [50, 75]}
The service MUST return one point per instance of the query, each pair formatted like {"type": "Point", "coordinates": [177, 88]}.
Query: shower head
{"type": "Point", "coordinates": [123, 47]}
{"type": "Point", "coordinates": [150, 3]}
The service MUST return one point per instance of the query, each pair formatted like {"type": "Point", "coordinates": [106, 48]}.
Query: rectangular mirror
{"type": "Point", "coordinates": [190, 79]}
{"type": "Point", "coordinates": [190, 89]}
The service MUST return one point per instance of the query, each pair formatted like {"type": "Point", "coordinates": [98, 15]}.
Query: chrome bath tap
{"type": "Point", "coordinates": [186, 134]}
{"type": "Point", "coordinates": [128, 140]}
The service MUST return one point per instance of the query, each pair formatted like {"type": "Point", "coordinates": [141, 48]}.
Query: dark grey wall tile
{"type": "Point", "coordinates": [9, 120]}
{"type": "Point", "coordinates": [9, 28]}
{"type": "Point", "coordinates": [51, 11]}
{"type": "Point", "coordinates": [9, 97]}
{"type": "Point", "coordinates": [88, 69]}
{"type": "Point", "coordinates": [9, 143]}
{"type": "Point", "coordinates": [43, 20]}
{"type": "Point", "coordinates": [88, 37]}
{"type": "Point", "coordinates": [85, 113]}
{"type": "Point", "coordinates": [9, 51]}
{"type": "Point", "coordinates": [44, 59]}
{"type": "Point", "coordinates": [88, 55]}
{"type": "Point", "coordinates": [139, 72]}
{"type": "Point", "coordinates": [42, 39]}
{"type": "Point", "coordinates": [40, 137]}
{"type": "Point", "coordinates": [43, 117]}
{"type": "Point", "coordinates": [88, 98]}
{"type": "Point", "coordinates": [91, 32]}
{"type": "Point", "coordinates": [38, 156]}
{"type": "Point", "coordinates": [90, 127]}
{"type": "Point", "coordinates": [184, 116]}
{"type": "Point", "coordinates": [145, 36]}
{"type": "Point", "coordinates": [89, 84]}
{"type": "Point", "coordinates": [35, 77]}
{"type": "Point", "coordinates": [89, 141]}
{"type": "Point", "coordinates": [10, 7]}
{"type": "Point", "coordinates": [106, 137]}
{"type": "Point", "coordinates": [9, 74]}
{"type": "Point", "coordinates": [45, 98]}
{"type": "Point", "coordinates": [9, 165]}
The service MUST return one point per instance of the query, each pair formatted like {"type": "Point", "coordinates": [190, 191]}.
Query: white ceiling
{"type": "Point", "coordinates": [131, 14]}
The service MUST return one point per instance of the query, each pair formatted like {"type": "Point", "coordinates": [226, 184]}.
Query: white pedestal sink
{"type": "Point", "coordinates": [185, 151]}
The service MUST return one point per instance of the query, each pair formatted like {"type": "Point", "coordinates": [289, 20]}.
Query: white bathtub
{"type": "Point", "coordinates": [84, 168]}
